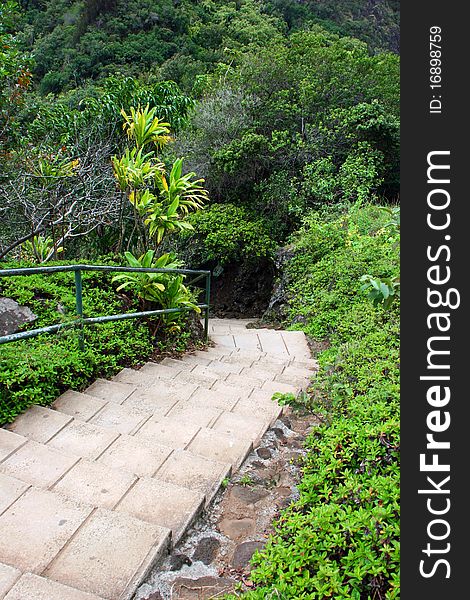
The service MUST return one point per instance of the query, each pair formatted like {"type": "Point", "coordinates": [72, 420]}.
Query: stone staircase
{"type": "Point", "coordinates": [97, 488]}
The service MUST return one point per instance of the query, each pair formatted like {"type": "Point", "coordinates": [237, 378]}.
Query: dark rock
{"type": "Point", "coordinates": [206, 550]}
{"type": "Point", "coordinates": [242, 289]}
{"type": "Point", "coordinates": [248, 495]}
{"type": "Point", "coordinates": [279, 434]}
{"type": "Point", "coordinates": [299, 319]}
{"type": "Point", "coordinates": [177, 561]}
{"type": "Point", "coordinates": [12, 316]}
{"type": "Point", "coordinates": [264, 453]}
{"type": "Point", "coordinates": [258, 465]}
{"type": "Point", "coordinates": [243, 553]}
{"type": "Point", "coordinates": [155, 596]}
{"type": "Point", "coordinates": [276, 309]}
{"type": "Point", "coordinates": [286, 421]}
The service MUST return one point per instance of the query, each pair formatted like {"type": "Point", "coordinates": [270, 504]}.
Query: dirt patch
{"type": "Point", "coordinates": [214, 558]}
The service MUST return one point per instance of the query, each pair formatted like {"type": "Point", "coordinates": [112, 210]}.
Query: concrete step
{"type": "Point", "coordinates": [195, 472]}
{"type": "Point", "coordinates": [96, 488]}
{"type": "Point", "coordinates": [32, 587]}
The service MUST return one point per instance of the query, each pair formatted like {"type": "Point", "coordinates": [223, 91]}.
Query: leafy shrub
{"type": "Point", "coordinates": [224, 233]}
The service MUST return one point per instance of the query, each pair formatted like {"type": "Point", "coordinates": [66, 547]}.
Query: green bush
{"type": "Point", "coordinates": [226, 233]}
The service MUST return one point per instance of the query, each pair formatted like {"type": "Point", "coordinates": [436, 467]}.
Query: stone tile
{"type": "Point", "coordinates": [223, 368]}
{"type": "Point", "coordinates": [164, 504]}
{"type": "Point", "coordinates": [95, 484]}
{"type": "Point", "coordinates": [9, 442]}
{"type": "Point", "coordinates": [273, 343]}
{"type": "Point", "coordinates": [135, 455]}
{"type": "Point", "coordinates": [220, 447]}
{"type": "Point", "coordinates": [211, 399]}
{"type": "Point", "coordinates": [175, 362]}
{"type": "Point", "coordinates": [245, 427]}
{"type": "Point", "coordinates": [123, 419]}
{"type": "Point", "coordinates": [233, 392]}
{"type": "Point", "coordinates": [160, 397]}
{"type": "Point", "coordinates": [133, 377]}
{"type": "Point", "coordinates": [219, 372]}
{"type": "Point", "coordinates": [37, 464]}
{"type": "Point", "coordinates": [168, 432]}
{"type": "Point", "coordinates": [10, 490]}
{"type": "Point", "coordinates": [194, 473]}
{"type": "Point", "coordinates": [159, 371]}
{"type": "Point", "coordinates": [223, 340]}
{"type": "Point", "coordinates": [294, 380]}
{"type": "Point", "coordinates": [296, 370]}
{"type": "Point", "coordinates": [237, 360]}
{"type": "Point", "coordinates": [214, 352]}
{"type": "Point", "coordinates": [279, 386]}
{"type": "Point", "coordinates": [196, 378]}
{"type": "Point", "coordinates": [110, 391]}
{"type": "Point", "coordinates": [247, 341]}
{"type": "Point", "coordinates": [33, 587]}
{"type": "Point", "coordinates": [258, 373]}
{"type": "Point", "coordinates": [8, 577]}
{"type": "Point", "coordinates": [262, 408]}
{"type": "Point", "coordinates": [184, 412]}
{"type": "Point", "coordinates": [243, 381]}
{"type": "Point", "coordinates": [83, 439]}
{"type": "Point", "coordinates": [109, 555]}
{"type": "Point", "coordinates": [36, 527]}
{"type": "Point", "coordinates": [39, 424]}
{"type": "Point", "coordinates": [77, 405]}
{"type": "Point", "coordinates": [192, 359]}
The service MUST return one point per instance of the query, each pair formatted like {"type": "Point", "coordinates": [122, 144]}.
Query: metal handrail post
{"type": "Point", "coordinates": [79, 307]}
{"type": "Point", "coordinates": [207, 300]}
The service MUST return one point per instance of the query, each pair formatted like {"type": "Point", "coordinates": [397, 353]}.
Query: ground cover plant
{"type": "Point", "coordinates": [341, 538]}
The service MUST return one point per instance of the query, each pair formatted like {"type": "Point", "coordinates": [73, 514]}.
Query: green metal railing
{"type": "Point", "coordinates": [81, 321]}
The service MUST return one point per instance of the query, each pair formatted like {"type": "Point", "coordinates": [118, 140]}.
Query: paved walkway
{"type": "Point", "coordinates": [97, 488]}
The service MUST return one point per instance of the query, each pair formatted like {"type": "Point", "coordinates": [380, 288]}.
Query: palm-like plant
{"type": "Point", "coordinates": [166, 290]}
{"type": "Point", "coordinates": [143, 127]}
{"type": "Point", "coordinates": [147, 286]}
{"type": "Point", "coordinates": [179, 195]}
{"type": "Point", "coordinates": [134, 169]}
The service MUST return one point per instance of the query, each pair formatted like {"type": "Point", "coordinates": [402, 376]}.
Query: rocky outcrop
{"type": "Point", "coordinates": [12, 316]}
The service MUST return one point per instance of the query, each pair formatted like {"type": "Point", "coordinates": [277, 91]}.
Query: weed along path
{"type": "Point", "coordinates": [98, 488]}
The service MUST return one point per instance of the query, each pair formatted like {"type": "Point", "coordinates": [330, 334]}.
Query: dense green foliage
{"type": "Point", "coordinates": [73, 41]}
{"type": "Point", "coordinates": [226, 233]}
{"type": "Point", "coordinates": [341, 538]}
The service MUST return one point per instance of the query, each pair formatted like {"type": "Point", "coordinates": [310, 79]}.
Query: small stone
{"type": "Point", "coordinates": [284, 419]}
{"type": "Point", "coordinates": [258, 464]}
{"type": "Point", "coordinates": [206, 550]}
{"type": "Point", "coordinates": [177, 561]}
{"type": "Point", "coordinates": [154, 596]}
{"type": "Point", "coordinates": [264, 453]}
{"type": "Point", "coordinates": [243, 553]}
{"type": "Point", "coordinates": [237, 529]}
{"type": "Point", "coordinates": [248, 495]}
{"type": "Point", "coordinates": [279, 434]}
